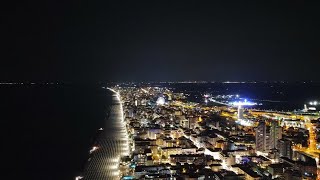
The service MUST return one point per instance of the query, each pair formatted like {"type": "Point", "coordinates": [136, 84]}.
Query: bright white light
{"type": "Point", "coordinates": [116, 173]}
{"type": "Point", "coordinates": [124, 138]}
{"type": "Point", "coordinates": [115, 160]}
{"type": "Point", "coordinates": [113, 166]}
{"type": "Point", "coordinates": [114, 91]}
{"type": "Point", "coordinates": [145, 91]}
{"type": "Point", "coordinates": [259, 153]}
{"type": "Point", "coordinates": [93, 149]}
{"type": "Point", "coordinates": [126, 148]}
{"type": "Point", "coordinates": [79, 177]}
{"type": "Point", "coordinates": [312, 108]}
{"type": "Point", "coordinates": [124, 144]}
{"type": "Point", "coordinates": [245, 103]}
{"type": "Point", "coordinates": [224, 165]}
{"type": "Point", "coordinates": [125, 153]}
{"type": "Point", "coordinates": [245, 122]}
{"type": "Point", "coordinates": [160, 101]}
{"type": "Point", "coordinates": [237, 95]}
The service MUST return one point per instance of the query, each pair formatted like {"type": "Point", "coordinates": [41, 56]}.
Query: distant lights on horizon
{"type": "Point", "coordinates": [313, 103]}
{"type": "Point", "coordinates": [237, 82]}
{"type": "Point", "coordinates": [243, 103]}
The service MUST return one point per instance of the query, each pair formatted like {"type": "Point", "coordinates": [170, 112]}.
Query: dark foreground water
{"type": "Point", "coordinates": [46, 131]}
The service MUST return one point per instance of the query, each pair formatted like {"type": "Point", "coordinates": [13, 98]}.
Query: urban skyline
{"type": "Point", "coordinates": [171, 136]}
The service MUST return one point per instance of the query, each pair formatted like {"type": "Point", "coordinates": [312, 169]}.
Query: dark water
{"type": "Point", "coordinates": [46, 131]}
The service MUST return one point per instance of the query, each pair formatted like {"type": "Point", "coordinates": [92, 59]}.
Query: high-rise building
{"type": "Point", "coordinates": [275, 135]}
{"type": "Point", "coordinates": [240, 112]}
{"type": "Point", "coordinates": [267, 137]}
{"type": "Point", "coordinates": [285, 149]}
{"type": "Point", "coordinates": [261, 137]}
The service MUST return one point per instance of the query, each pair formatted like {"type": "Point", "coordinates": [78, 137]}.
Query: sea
{"type": "Point", "coordinates": [47, 129]}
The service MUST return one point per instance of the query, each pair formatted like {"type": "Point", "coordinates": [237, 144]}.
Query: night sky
{"type": "Point", "coordinates": [94, 41]}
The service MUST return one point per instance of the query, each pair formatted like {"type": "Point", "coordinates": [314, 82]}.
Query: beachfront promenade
{"type": "Point", "coordinates": [111, 144]}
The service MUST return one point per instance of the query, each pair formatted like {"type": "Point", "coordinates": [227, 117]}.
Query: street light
{"type": "Point", "coordinates": [314, 103]}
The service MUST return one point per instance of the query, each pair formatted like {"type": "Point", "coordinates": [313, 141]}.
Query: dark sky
{"type": "Point", "coordinates": [147, 40]}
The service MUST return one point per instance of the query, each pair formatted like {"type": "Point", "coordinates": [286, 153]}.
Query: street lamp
{"type": "Point", "coordinates": [313, 103]}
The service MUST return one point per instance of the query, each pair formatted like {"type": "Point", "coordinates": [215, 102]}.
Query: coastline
{"type": "Point", "coordinates": [111, 144]}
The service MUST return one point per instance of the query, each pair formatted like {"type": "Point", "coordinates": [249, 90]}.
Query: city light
{"type": "Point", "coordinates": [245, 122]}
{"type": "Point", "coordinates": [115, 160]}
{"type": "Point", "coordinates": [94, 148]}
{"type": "Point", "coordinates": [78, 178]}
{"type": "Point", "coordinates": [313, 103]}
{"type": "Point", "coordinates": [116, 173]}
{"type": "Point", "coordinates": [161, 101]}
{"type": "Point", "coordinates": [113, 167]}
{"type": "Point", "coordinates": [184, 129]}
{"type": "Point", "coordinates": [243, 103]}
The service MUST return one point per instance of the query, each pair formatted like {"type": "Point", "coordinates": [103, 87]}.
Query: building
{"type": "Point", "coordinates": [275, 135]}
{"type": "Point", "coordinates": [184, 123]}
{"type": "Point", "coordinates": [296, 123]}
{"type": "Point", "coordinates": [277, 170]}
{"type": "Point", "coordinates": [262, 137]}
{"type": "Point", "coordinates": [240, 112]}
{"type": "Point", "coordinates": [187, 158]}
{"type": "Point", "coordinates": [248, 172]}
{"type": "Point", "coordinates": [292, 175]}
{"type": "Point", "coordinates": [267, 137]}
{"type": "Point", "coordinates": [285, 149]}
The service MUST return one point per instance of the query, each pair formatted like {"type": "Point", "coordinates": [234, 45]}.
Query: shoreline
{"type": "Point", "coordinates": [111, 144]}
